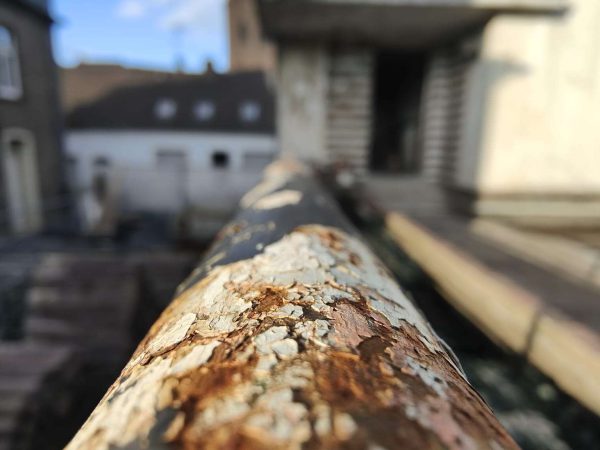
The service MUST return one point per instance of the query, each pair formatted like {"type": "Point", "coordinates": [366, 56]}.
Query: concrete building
{"type": "Point", "coordinates": [167, 148]}
{"type": "Point", "coordinates": [248, 47]}
{"type": "Point", "coordinates": [493, 101]}
{"type": "Point", "coordinates": [31, 195]}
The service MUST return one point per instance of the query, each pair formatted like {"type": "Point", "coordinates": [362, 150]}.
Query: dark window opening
{"type": "Point", "coordinates": [16, 145]}
{"type": "Point", "coordinates": [101, 161]}
{"type": "Point", "coordinates": [396, 137]}
{"type": "Point", "coordinates": [220, 159]}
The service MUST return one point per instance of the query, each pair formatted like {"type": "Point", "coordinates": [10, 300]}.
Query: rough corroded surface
{"type": "Point", "coordinates": [307, 344]}
{"type": "Point", "coordinates": [291, 335]}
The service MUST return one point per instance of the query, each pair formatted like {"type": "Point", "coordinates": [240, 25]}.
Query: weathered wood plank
{"type": "Point", "coordinates": [509, 314]}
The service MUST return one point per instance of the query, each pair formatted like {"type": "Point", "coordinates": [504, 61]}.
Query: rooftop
{"type": "Point", "coordinates": [237, 102]}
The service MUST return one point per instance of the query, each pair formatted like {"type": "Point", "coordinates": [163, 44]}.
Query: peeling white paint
{"type": "Point", "coordinates": [278, 200]}
{"type": "Point", "coordinates": [440, 417]}
{"type": "Point", "coordinates": [323, 419]}
{"type": "Point", "coordinates": [285, 420]}
{"type": "Point", "coordinates": [264, 340]}
{"type": "Point", "coordinates": [223, 410]}
{"type": "Point", "coordinates": [172, 335]}
{"type": "Point", "coordinates": [288, 310]}
{"type": "Point", "coordinates": [199, 354]}
{"type": "Point", "coordinates": [429, 377]}
{"type": "Point", "coordinates": [265, 363]}
{"type": "Point", "coordinates": [344, 425]}
{"type": "Point", "coordinates": [312, 331]}
{"type": "Point", "coordinates": [132, 404]}
{"type": "Point", "coordinates": [311, 276]}
{"type": "Point", "coordinates": [285, 348]}
{"type": "Point", "coordinates": [272, 181]}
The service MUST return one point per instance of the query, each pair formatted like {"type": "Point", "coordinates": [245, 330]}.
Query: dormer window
{"type": "Point", "coordinates": [250, 111]}
{"type": "Point", "coordinates": [204, 110]}
{"type": "Point", "coordinates": [10, 76]}
{"type": "Point", "coordinates": [165, 108]}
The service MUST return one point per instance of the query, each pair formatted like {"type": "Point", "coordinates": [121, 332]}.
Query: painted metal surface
{"type": "Point", "coordinates": [291, 334]}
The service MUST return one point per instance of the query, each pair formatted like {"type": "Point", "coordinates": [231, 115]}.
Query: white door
{"type": "Point", "coordinates": [21, 185]}
{"type": "Point", "coordinates": [172, 170]}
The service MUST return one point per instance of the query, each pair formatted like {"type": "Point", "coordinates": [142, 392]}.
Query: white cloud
{"type": "Point", "coordinates": [205, 16]}
{"type": "Point", "coordinates": [202, 15]}
{"type": "Point", "coordinates": [196, 25]}
{"type": "Point", "coordinates": [131, 9]}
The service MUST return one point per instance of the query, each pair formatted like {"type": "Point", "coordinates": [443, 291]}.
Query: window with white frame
{"type": "Point", "coordinates": [204, 110]}
{"type": "Point", "coordinates": [10, 76]}
{"type": "Point", "coordinates": [165, 108]}
{"type": "Point", "coordinates": [249, 111]}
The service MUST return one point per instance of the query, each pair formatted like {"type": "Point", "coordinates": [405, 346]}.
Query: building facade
{"type": "Point", "coordinates": [492, 101]}
{"type": "Point", "coordinates": [175, 146]}
{"type": "Point", "coordinates": [31, 191]}
{"type": "Point", "coordinates": [248, 47]}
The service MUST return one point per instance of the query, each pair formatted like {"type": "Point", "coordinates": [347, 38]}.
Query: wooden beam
{"type": "Point", "coordinates": [570, 257]}
{"type": "Point", "coordinates": [564, 350]}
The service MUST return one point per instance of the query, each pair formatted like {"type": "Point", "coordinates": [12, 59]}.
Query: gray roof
{"type": "Point", "coordinates": [233, 102]}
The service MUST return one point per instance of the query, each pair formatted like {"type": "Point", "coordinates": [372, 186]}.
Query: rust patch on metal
{"type": "Point", "coordinates": [270, 297]}
{"type": "Point", "coordinates": [306, 345]}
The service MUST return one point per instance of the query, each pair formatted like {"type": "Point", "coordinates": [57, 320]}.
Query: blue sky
{"type": "Point", "coordinates": [141, 33]}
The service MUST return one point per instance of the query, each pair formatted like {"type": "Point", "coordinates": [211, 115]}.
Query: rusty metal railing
{"type": "Point", "coordinates": [291, 334]}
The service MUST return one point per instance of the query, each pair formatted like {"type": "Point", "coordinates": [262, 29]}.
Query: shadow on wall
{"type": "Point", "coordinates": [482, 78]}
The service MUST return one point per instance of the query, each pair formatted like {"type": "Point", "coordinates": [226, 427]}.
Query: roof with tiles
{"type": "Point", "coordinates": [232, 102]}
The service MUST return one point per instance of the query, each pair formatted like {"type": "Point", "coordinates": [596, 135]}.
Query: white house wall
{"type": "Point", "coordinates": [541, 130]}
{"type": "Point", "coordinates": [143, 186]}
{"type": "Point", "coordinates": [301, 101]}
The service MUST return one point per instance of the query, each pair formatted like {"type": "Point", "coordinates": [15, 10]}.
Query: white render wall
{"type": "Point", "coordinates": [143, 185]}
{"type": "Point", "coordinates": [540, 81]}
{"type": "Point", "coordinates": [303, 83]}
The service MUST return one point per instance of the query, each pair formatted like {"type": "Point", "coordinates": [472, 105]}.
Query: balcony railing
{"type": "Point", "coordinates": [291, 334]}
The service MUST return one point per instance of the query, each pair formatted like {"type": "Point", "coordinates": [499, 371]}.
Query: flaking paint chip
{"type": "Point", "coordinates": [171, 335]}
{"type": "Point", "coordinates": [278, 199]}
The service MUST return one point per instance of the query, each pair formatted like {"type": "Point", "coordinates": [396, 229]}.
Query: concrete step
{"type": "Point", "coordinates": [405, 193]}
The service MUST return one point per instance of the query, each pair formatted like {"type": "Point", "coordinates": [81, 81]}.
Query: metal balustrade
{"type": "Point", "coordinates": [291, 334]}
